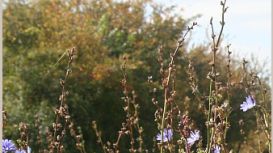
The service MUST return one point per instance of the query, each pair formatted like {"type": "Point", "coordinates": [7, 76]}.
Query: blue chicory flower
{"type": "Point", "coordinates": [20, 151]}
{"type": "Point", "coordinates": [194, 136]}
{"type": "Point", "coordinates": [248, 104]}
{"type": "Point", "coordinates": [167, 135]}
{"type": "Point", "coordinates": [24, 151]}
{"type": "Point", "coordinates": [216, 149]}
{"type": "Point", "coordinates": [7, 145]}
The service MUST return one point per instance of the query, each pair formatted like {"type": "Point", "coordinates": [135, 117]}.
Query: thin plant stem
{"type": "Point", "coordinates": [167, 79]}
{"type": "Point", "coordinates": [208, 118]}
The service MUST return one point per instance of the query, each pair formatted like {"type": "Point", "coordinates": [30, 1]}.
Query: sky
{"type": "Point", "coordinates": [248, 25]}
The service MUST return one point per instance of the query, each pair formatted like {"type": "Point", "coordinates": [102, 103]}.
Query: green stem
{"type": "Point", "coordinates": [163, 120]}
{"type": "Point", "coordinates": [226, 127]}
{"type": "Point", "coordinates": [208, 119]}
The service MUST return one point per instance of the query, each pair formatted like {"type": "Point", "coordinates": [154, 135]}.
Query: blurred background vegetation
{"type": "Point", "coordinates": [37, 33]}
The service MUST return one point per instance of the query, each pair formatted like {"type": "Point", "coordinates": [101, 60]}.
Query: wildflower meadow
{"type": "Point", "coordinates": [114, 76]}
